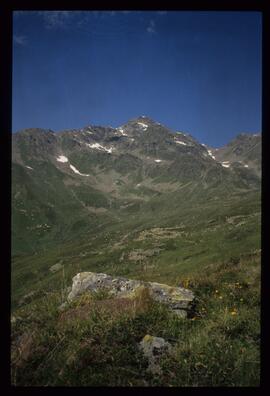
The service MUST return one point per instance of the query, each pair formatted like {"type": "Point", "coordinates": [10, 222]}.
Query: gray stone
{"type": "Point", "coordinates": [177, 298]}
{"type": "Point", "coordinates": [153, 348]}
{"type": "Point", "coordinates": [56, 267]}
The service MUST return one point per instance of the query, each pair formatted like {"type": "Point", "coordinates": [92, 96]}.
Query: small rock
{"type": "Point", "coordinates": [56, 267]}
{"type": "Point", "coordinates": [153, 348]}
{"type": "Point", "coordinates": [152, 345]}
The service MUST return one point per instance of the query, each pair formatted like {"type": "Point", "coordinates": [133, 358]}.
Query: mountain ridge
{"type": "Point", "coordinates": [133, 127]}
{"type": "Point", "coordinates": [105, 173]}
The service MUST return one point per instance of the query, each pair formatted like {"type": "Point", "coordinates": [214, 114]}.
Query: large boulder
{"type": "Point", "coordinates": [177, 298]}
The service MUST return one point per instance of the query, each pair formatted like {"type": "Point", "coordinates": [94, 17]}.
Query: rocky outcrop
{"type": "Point", "coordinates": [177, 298]}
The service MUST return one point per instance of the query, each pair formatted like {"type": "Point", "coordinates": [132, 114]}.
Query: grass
{"type": "Point", "coordinates": [94, 341]}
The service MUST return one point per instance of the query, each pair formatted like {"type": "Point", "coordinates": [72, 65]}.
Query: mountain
{"type": "Point", "coordinates": [93, 188]}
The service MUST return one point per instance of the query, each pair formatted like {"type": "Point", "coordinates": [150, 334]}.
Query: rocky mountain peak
{"type": "Point", "coordinates": [141, 121]}
{"type": "Point", "coordinates": [35, 131]}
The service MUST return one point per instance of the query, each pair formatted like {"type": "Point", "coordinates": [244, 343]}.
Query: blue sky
{"type": "Point", "coordinates": [198, 72]}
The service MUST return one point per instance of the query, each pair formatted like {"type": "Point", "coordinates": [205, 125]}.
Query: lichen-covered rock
{"type": "Point", "coordinates": [153, 348]}
{"type": "Point", "coordinates": [177, 298]}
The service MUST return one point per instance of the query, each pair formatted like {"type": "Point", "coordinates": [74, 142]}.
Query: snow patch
{"type": "Point", "coordinates": [28, 167]}
{"type": "Point", "coordinates": [225, 165]}
{"type": "Point", "coordinates": [158, 160]}
{"type": "Point", "coordinates": [99, 147]}
{"type": "Point", "coordinates": [211, 155]}
{"type": "Point", "coordinates": [179, 142]}
{"type": "Point", "coordinates": [144, 126]}
{"type": "Point", "coordinates": [62, 158]}
{"type": "Point", "coordinates": [76, 171]}
{"type": "Point", "coordinates": [246, 166]}
{"type": "Point", "coordinates": [122, 132]}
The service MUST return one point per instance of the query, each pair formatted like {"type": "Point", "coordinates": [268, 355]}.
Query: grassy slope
{"type": "Point", "coordinates": [94, 341]}
{"type": "Point", "coordinates": [214, 251]}
{"type": "Point", "coordinates": [206, 233]}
